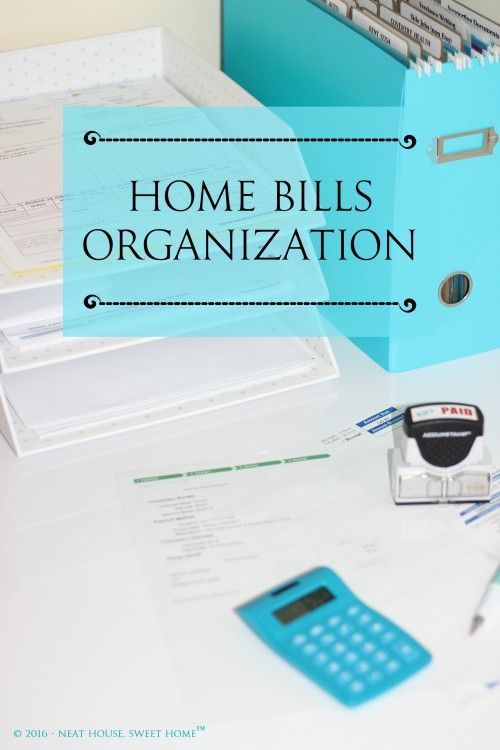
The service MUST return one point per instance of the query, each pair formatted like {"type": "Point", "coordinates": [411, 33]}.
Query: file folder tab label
{"type": "Point", "coordinates": [339, 6]}
{"type": "Point", "coordinates": [439, 13]}
{"type": "Point", "coordinates": [370, 5]}
{"type": "Point", "coordinates": [380, 32]}
{"type": "Point", "coordinates": [443, 32]}
{"type": "Point", "coordinates": [430, 43]}
{"type": "Point", "coordinates": [476, 21]}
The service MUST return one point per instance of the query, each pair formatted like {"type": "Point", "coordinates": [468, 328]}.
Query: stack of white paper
{"type": "Point", "coordinates": [58, 389]}
{"type": "Point", "coordinates": [112, 385]}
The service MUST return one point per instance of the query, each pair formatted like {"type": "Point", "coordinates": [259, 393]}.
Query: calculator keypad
{"type": "Point", "coordinates": [357, 651]}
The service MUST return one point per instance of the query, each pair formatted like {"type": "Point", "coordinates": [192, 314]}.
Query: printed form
{"type": "Point", "coordinates": [212, 537]}
{"type": "Point", "coordinates": [31, 166]}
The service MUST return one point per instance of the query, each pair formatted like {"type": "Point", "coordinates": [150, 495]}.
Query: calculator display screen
{"type": "Point", "coordinates": [305, 604]}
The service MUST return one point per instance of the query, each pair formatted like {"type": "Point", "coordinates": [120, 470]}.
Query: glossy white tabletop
{"type": "Point", "coordinates": [80, 642]}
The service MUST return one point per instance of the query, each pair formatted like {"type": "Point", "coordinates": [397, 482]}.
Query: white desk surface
{"type": "Point", "coordinates": [80, 644]}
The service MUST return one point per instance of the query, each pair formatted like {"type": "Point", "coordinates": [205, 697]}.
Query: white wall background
{"type": "Point", "coordinates": [489, 8]}
{"type": "Point", "coordinates": [27, 23]}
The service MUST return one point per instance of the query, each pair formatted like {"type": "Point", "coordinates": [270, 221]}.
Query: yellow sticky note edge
{"type": "Point", "coordinates": [41, 269]}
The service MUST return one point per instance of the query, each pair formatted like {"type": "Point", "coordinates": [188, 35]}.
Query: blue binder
{"type": "Point", "coordinates": [293, 53]}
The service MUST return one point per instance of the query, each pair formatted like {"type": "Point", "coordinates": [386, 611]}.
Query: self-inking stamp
{"type": "Point", "coordinates": [442, 457]}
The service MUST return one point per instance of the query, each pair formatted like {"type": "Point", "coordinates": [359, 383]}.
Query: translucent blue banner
{"type": "Point", "coordinates": [240, 222]}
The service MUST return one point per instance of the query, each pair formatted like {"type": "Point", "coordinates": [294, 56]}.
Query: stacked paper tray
{"type": "Point", "coordinates": [56, 390]}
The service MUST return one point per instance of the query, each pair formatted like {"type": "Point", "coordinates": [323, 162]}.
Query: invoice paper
{"type": "Point", "coordinates": [31, 166]}
{"type": "Point", "coordinates": [213, 536]}
{"type": "Point", "coordinates": [482, 522]}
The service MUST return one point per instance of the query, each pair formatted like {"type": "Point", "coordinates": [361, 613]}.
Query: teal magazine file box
{"type": "Point", "coordinates": [293, 53]}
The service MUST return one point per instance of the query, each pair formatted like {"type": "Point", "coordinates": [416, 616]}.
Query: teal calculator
{"type": "Point", "coordinates": [317, 624]}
